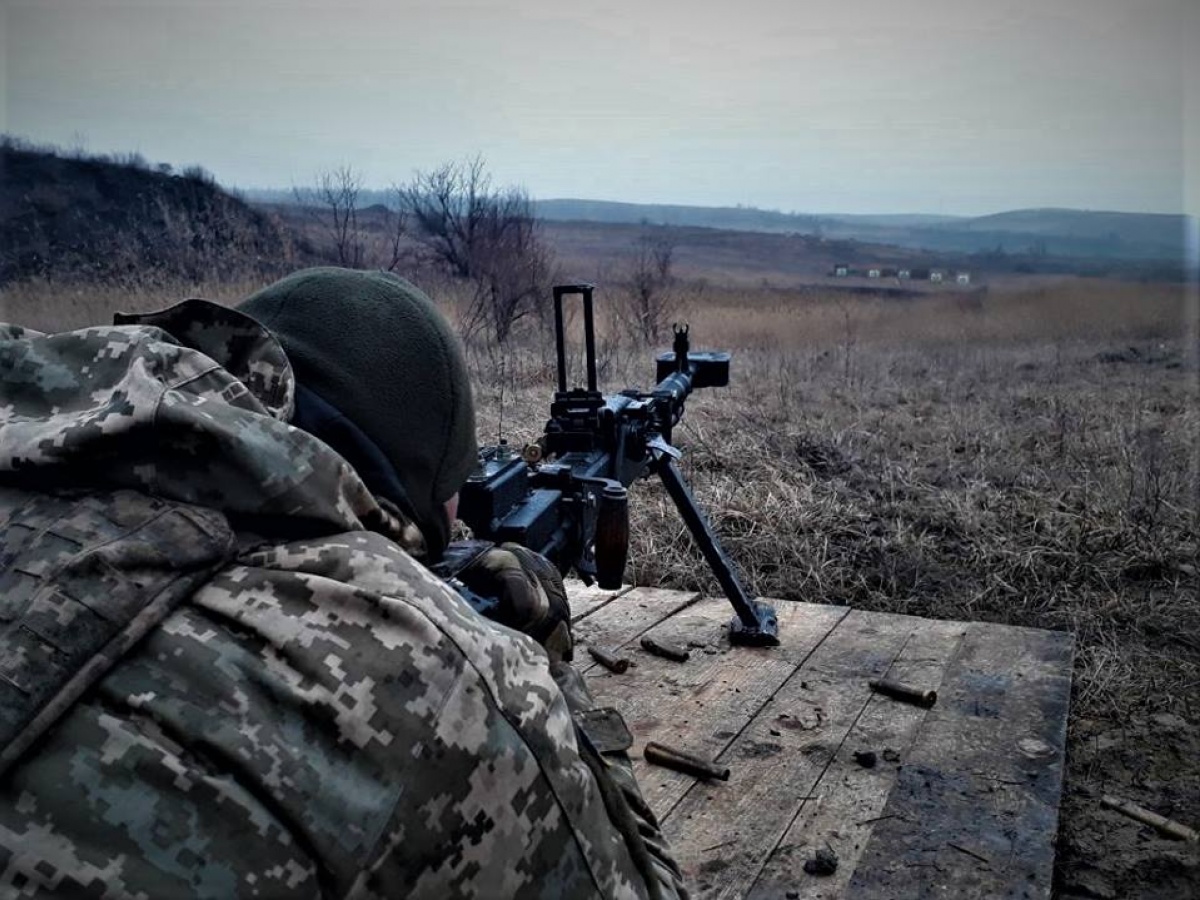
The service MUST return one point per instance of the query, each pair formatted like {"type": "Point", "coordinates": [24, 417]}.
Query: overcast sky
{"type": "Point", "coordinates": [942, 106]}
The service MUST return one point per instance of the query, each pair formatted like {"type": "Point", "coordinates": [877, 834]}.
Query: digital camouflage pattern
{"type": "Point", "coordinates": [320, 716]}
{"type": "Point", "coordinates": [82, 579]}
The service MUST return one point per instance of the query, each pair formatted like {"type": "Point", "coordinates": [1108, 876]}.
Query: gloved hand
{"type": "Point", "coordinates": [530, 594]}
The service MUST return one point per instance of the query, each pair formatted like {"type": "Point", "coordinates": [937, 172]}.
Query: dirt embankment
{"type": "Point", "coordinates": [72, 219]}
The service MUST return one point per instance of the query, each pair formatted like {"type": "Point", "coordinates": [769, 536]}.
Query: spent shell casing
{"type": "Point", "coordinates": [681, 761]}
{"type": "Point", "coordinates": [905, 692]}
{"type": "Point", "coordinates": [609, 660]}
{"type": "Point", "coordinates": [664, 649]}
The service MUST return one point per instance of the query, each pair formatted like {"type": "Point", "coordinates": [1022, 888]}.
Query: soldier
{"type": "Point", "coordinates": [224, 670]}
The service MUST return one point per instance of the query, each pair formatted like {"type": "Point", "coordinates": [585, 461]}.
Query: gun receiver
{"type": "Point", "coordinates": [568, 500]}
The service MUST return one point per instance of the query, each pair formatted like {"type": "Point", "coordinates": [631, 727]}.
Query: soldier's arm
{"type": "Point", "coordinates": [593, 809]}
{"type": "Point", "coordinates": [535, 603]}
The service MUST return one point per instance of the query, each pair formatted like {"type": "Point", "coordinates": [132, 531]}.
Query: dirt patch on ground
{"type": "Point", "coordinates": [1151, 760]}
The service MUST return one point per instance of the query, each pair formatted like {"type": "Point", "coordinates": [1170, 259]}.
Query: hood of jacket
{"type": "Point", "coordinates": [190, 403]}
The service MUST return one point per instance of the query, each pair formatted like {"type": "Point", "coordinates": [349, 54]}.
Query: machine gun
{"type": "Point", "coordinates": [566, 496]}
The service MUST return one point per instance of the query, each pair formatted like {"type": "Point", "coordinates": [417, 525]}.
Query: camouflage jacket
{"type": "Point", "coordinates": [301, 709]}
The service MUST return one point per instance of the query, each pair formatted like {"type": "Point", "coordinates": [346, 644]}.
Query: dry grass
{"type": "Point", "coordinates": [1066, 310]}
{"type": "Point", "coordinates": [47, 306]}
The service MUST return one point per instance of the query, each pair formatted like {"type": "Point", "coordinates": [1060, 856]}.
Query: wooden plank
{"type": "Point", "coordinates": [974, 811]}
{"type": "Point", "coordinates": [848, 799]}
{"type": "Point", "coordinates": [778, 759]}
{"type": "Point", "coordinates": [626, 618]}
{"type": "Point", "coordinates": [702, 705]}
{"type": "Point", "coordinates": [586, 599]}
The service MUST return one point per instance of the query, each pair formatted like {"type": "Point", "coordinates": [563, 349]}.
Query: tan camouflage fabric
{"type": "Point", "coordinates": [320, 717]}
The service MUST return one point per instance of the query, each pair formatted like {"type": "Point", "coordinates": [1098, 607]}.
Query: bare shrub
{"type": "Point", "coordinates": [199, 174]}
{"type": "Point", "coordinates": [485, 236]}
{"type": "Point", "coordinates": [333, 206]}
{"type": "Point", "coordinates": [649, 299]}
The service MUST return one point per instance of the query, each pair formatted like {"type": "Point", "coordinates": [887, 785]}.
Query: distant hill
{"type": "Point", "coordinates": [1040, 232]}
{"type": "Point", "coordinates": [1080, 223]}
{"type": "Point", "coordinates": [98, 218]}
{"type": "Point", "coordinates": [1080, 234]}
{"type": "Point", "coordinates": [731, 218]}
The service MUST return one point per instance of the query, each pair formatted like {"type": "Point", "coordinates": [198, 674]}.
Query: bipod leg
{"type": "Point", "coordinates": [755, 623]}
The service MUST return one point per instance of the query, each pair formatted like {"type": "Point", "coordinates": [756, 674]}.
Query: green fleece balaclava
{"type": "Point", "coordinates": [375, 347]}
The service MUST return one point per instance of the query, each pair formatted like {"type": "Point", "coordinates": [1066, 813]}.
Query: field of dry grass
{"type": "Point", "coordinates": [47, 306]}
{"type": "Point", "coordinates": [1025, 455]}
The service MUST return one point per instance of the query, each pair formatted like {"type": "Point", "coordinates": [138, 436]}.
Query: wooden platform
{"type": "Point", "coordinates": [963, 800]}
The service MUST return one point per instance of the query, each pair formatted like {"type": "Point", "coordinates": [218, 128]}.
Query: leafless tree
{"type": "Point", "coordinates": [333, 203]}
{"type": "Point", "coordinates": [394, 234]}
{"type": "Point", "coordinates": [484, 235]}
{"type": "Point", "coordinates": [650, 298]}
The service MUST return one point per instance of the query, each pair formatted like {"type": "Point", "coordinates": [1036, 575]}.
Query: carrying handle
{"type": "Point", "coordinates": [589, 332]}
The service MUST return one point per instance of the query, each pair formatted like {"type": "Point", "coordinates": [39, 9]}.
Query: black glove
{"type": "Point", "coordinates": [530, 595]}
